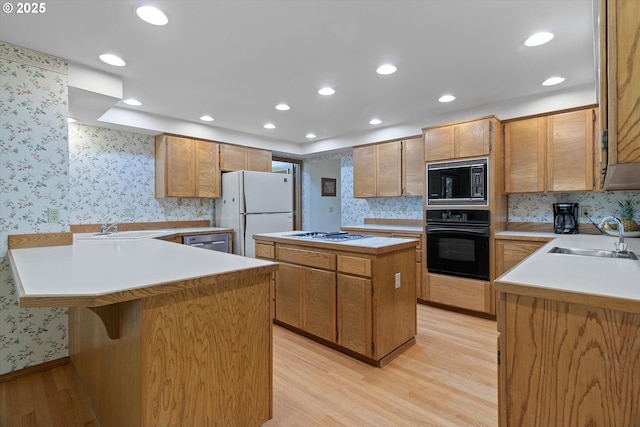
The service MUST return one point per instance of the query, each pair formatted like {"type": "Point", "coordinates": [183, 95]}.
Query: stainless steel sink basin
{"type": "Point", "coordinates": [593, 252]}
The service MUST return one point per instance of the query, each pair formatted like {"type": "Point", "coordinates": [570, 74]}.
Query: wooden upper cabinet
{"type": "Point", "coordinates": [620, 92]}
{"type": "Point", "coordinates": [389, 169]}
{"type": "Point", "coordinates": [570, 164]}
{"type": "Point", "coordinates": [364, 171]}
{"type": "Point", "coordinates": [413, 167]}
{"type": "Point", "coordinates": [186, 168]}
{"type": "Point", "coordinates": [237, 157]}
{"type": "Point", "coordinates": [525, 148]}
{"type": "Point", "coordinates": [458, 140]}
{"type": "Point", "coordinates": [551, 153]}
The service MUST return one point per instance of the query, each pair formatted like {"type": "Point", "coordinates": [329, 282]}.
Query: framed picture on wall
{"type": "Point", "coordinates": [328, 187]}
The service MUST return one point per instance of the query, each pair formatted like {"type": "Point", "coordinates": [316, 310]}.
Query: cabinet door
{"type": "Point", "coordinates": [525, 155]}
{"type": "Point", "coordinates": [180, 167]}
{"type": "Point", "coordinates": [472, 139]}
{"type": "Point", "coordinates": [354, 314]}
{"type": "Point", "coordinates": [413, 167]}
{"type": "Point", "coordinates": [258, 160]}
{"type": "Point", "coordinates": [570, 151]}
{"type": "Point", "coordinates": [510, 253]}
{"type": "Point", "coordinates": [320, 303]}
{"type": "Point", "coordinates": [388, 169]}
{"type": "Point", "coordinates": [232, 158]}
{"type": "Point", "coordinates": [439, 143]}
{"type": "Point", "coordinates": [288, 295]}
{"type": "Point", "coordinates": [364, 171]}
{"type": "Point", "coordinates": [208, 169]}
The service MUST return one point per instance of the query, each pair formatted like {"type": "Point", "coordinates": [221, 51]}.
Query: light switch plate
{"type": "Point", "coordinates": [397, 280]}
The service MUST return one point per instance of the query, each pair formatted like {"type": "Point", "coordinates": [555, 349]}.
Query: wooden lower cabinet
{"type": "Point", "coordinates": [470, 294]}
{"type": "Point", "coordinates": [348, 300]}
{"type": "Point", "coordinates": [564, 363]}
{"type": "Point", "coordinates": [511, 252]}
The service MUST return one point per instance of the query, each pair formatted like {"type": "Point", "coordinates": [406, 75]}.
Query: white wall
{"type": "Point", "coordinates": [324, 211]}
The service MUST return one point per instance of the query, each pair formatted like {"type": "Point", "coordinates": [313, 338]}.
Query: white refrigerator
{"type": "Point", "coordinates": [254, 203]}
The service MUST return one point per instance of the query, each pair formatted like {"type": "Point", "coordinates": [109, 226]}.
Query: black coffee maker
{"type": "Point", "coordinates": [565, 218]}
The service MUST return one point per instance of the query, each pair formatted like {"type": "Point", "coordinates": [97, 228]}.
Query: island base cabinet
{"type": "Point", "coordinates": [199, 356]}
{"type": "Point", "coordinates": [354, 314]}
{"type": "Point", "coordinates": [567, 364]}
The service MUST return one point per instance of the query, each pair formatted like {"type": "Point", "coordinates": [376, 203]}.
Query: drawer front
{"type": "Point", "coordinates": [306, 257]}
{"type": "Point", "coordinates": [460, 292]}
{"type": "Point", "coordinates": [354, 265]}
{"type": "Point", "coordinates": [265, 250]}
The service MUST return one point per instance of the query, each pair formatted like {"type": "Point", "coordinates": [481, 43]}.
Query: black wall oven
{"type": "Point", "coordinates": [458, 243]}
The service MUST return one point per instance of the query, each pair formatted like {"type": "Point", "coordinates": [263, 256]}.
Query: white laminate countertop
{"type": "Point", "coordinates": [145, 234]}
{"type": "Point", "coordinates": [94, 268]}
{"type": "Point", "coordinates": [574, 274]}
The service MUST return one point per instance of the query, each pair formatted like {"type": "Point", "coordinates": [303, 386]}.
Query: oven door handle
{"type": "Point", "coordinates": [479, 231]}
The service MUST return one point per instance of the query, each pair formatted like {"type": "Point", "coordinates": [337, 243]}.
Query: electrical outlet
{"type": "Point", "coordinates": [129, 213]}
{"type": "Point", "coordinates": [397, 280]}
{"type": "Point", "coordinates": [53, 215]}
{"type": "Point", "coordinates": [585, 210]}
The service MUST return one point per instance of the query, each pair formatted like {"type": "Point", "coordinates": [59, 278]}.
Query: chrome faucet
{"type": "Point", "coordinates": [104, 228]}
{"type": "Point", "coordinates": [621, 246]}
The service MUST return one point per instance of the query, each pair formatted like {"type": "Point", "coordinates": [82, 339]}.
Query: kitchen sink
{"type": "Point", "coordinates": [593, 252]}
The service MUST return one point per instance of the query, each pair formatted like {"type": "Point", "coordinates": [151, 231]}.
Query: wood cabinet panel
{"type": "Point", "coordinates": [258, 160]}
{"type": "Point", "coordinates": [354, 265]}
{"type": "Point", "coordinates": [207, 171]}
{"type": "Point", "coordinates": [265, 251]}
{"type": "Point", "coordinates": [354, 314]}
{"type": "Point", "coordinates": [439, 143]}
{"type": "Point", "coordinates": [237, 157]}
{"type": "Point", "coordinates": [570, 164]}
{"type": "Point", "coordinates": [364, 171]}
{"type": "Point", "coordinates": [567, 364]}
{"type": "Point", "coordinates": [413, 167]}
{"type": "Point", "coordinates": [525, 148]}
{"type": "Point", "coordinates": [289, 295]}
{"type": "Point", "coordinates": [320, 303]}
{"type": "Point", "coordinates": [511, 252]}
{"type": "Point", "coordinates": [460, 292]}
{"type": "Point", "coordinates": [388, 169]}
{"type": "Point", "coordinates": [180, 167]}
{"type": "Point", "coordinates": [620, 92]}
{"type": "Point", "coordinates": [472, 139]}
{"type": "Point", "coordinates": [306, 257]}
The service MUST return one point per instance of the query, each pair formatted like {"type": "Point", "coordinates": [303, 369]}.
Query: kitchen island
{"type": "Point", "coordinates": [160, 333]}
{"type": "Point", "coordinates": [357, 295]}
{"type": "Point", "coordinates": [569, 342]}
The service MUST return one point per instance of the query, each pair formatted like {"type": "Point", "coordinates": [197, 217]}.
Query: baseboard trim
{"type": "Point", "coordinates": [29, 370]}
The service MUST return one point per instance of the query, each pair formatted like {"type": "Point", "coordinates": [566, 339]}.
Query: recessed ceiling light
{"type": "Point", "coordinates": [282, 107]}
{"type": "Point", "coordinates": [206, 118]}
{"type": "Point", "coordinates": [133, 102]}
{"type": "Point", "coordinates": [112, 60]}
{"type": "Point", "coordinates": [553, 81]}
{"type": "Point", "coordinates": [269, 126]}
{"type": "Point", "coordinates": [326, 91]}
{"type": "Point", "coordinates": [446, 98]}
{"type": "Point", "coordinates": [538, 38]}
{"type": "Point", "coordinates": [375, 121]}
{"type": "Point", "coordinates": [71, 120]}
{"type": "Point", "coordinates": [386, 69]}
{"type": "Point", "coordinates": [310, 135]}
{"type": "Point", "coordinates": [152, 15]}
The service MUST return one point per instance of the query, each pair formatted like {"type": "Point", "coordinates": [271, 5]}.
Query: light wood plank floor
{"type": "Point", "coordinates": [449, 378]}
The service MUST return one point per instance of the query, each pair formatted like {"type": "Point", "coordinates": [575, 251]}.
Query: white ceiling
{"type": "Point", "coordinates": [236, 59]}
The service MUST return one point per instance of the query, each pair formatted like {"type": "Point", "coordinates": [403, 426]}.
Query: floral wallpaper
{"type": "Point", "coordinates": [112, 177]}
{"type": "Point", "coordinates": [33, 177]}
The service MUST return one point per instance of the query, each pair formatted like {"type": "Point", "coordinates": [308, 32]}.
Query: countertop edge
{"type": "Point", "coordinates": [97, 300]}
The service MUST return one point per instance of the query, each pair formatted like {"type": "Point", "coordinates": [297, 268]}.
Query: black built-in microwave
{"type": "Point", "coordinates": [458, 183]}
